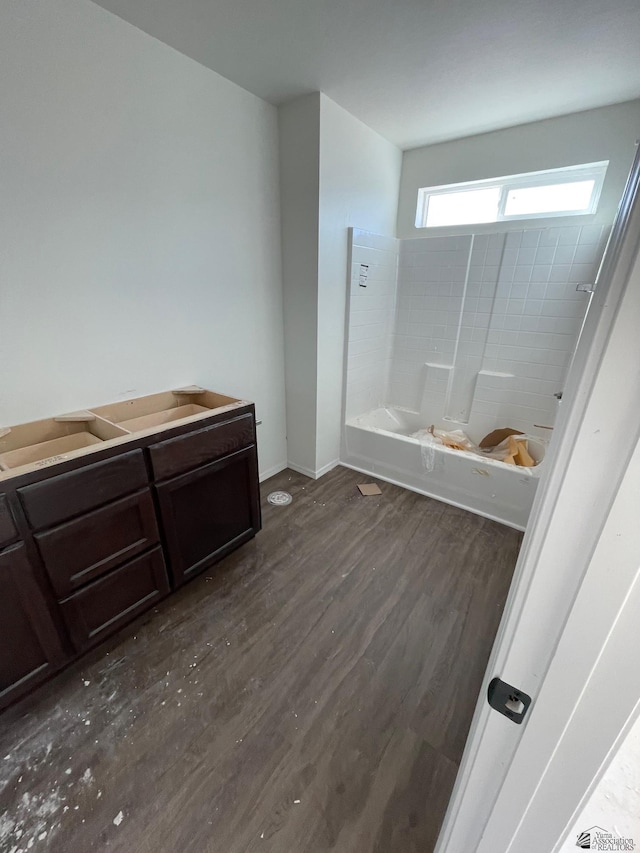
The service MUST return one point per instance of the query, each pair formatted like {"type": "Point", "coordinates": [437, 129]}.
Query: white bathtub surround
{"type": "Point", "coordinates": [385, 443]}
{"type": "Point", "coordinates": [372, 296]}
{"type": "Point", "coordinates": [484, 329]}
{"type": "Point", "coordinates": [499, 312]}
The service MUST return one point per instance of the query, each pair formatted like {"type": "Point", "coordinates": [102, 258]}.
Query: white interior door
{"type": "Point", "coordinates": [589, 697]}
{"type": "Point", "coordinates": [546, 646]}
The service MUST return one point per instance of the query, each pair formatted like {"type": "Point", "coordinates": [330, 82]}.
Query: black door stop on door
{"type": "Point", "coordinates": [508, 700]}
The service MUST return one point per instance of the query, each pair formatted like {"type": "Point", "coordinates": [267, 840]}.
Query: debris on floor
{"type": "Point", "coordinates": [369, 489]}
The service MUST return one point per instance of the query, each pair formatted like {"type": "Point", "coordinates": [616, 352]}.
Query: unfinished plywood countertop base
{"type": "Point", "coordinates": [39, 444]}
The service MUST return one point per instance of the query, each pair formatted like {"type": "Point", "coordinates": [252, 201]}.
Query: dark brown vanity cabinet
{"type": "Point", "coordinates": [207, 487]}
{"type": "Point", "coordinates": [29, 642]}
{"type": "Point", "coordinates": [208, 512]}
{"type": "Point", "coordinates": [103, 606]}
{"type": "Point", "coordinates": [88, 544]}
{"type": "Point", "coordinates": [85, 548]}
{"type": "Point", "coordinates": [8, 529]}
{"type": "Point", "coordinates": [31, 647]}
{"type": "Point", "coordinates": [88, 527]}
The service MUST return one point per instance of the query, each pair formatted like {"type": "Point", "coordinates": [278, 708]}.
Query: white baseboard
{"type": "Point", "coordinates": [300, 469]}
{"type": "Point", "coordinates": [326, 468]}
{"type": "Point", "coordinates": [271, 472]}
{"type": "Point", "coordinates": [314, 475]}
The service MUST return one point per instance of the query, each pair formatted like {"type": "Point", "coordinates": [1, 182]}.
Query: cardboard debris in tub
{"type": "Point", "coordinates": [509, 446]}
{"type": "Point", "coordinates": [369, 489]}
{"type": "Point", "coordinates": [493, 439]}
{"type": "Point", "coordinates": [504, 445]}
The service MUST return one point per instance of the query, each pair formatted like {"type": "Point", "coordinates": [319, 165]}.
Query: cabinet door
{"type": "Point", "coordinates": [30, 647]}
{"type": "Point", "coordinates": [209, 512]}
{"type": "Point", "coordinates": [8, 532]}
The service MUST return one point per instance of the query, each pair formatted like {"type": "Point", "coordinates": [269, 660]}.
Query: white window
{"type": "Point", "coordinates": [570, 191]}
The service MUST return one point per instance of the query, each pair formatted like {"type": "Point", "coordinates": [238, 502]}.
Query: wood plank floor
{"type": "Point", "coordinates": [311, 693]}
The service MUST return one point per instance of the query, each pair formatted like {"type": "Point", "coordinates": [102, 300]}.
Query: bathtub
{"type": "Point", "coordinates": [382, 443]}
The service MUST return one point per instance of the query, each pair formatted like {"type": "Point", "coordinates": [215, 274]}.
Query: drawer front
{"type": "Point", "coordinates": [109, 603]}
{"type": "Point", "coordinates": [8, 532]}
{"type": "Point", "coordinates": [81, 550]}
{"type": "Point", "coordinates": [60, 498]}
{"type": "Point", "coordinates": [177, 455]}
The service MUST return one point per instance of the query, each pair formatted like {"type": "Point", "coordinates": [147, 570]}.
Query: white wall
{"type": "Point", "coordinates": [335, 173]}
{"type": "Point", "coordinates": [139, 223]}
{"type": "Point", "coordinates": [608, 133]}
{"type": "Point", "coordinates": [299, 123]}
{"type": "Point", "coordinates": [359, 180]}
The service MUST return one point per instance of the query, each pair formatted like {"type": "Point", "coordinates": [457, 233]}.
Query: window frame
{"type": "Point", "coordinates": [548, 177]}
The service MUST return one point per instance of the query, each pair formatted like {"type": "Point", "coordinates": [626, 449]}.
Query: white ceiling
{"type": "Point", "coordinates": [417, 71]}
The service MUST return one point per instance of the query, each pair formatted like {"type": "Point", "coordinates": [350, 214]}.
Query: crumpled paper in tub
{"type": "Point", "coordinates": [512, 450]}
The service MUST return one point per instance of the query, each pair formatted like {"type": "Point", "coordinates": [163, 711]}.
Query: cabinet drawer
{"type": "Point", "coordinates": [81, 550]}
{"type": "Point", "coordinates": [177, 455]}
{"type": "Point", "coordinates": [8, 532]}
{"type": "Point", "coordinates": [106, 604]}
{"type": "Point", "coordinates": [60, 498]}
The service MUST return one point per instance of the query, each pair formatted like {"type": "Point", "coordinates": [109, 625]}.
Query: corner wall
{"type": "Point", "coordinates": [299, 126]}
{"type": "Point", "coordinates": [139, 225]}
{"type": "Point", "coordinates": [359, 182]}
{"type": "Point", "coordinates": [608, 133]}
{"type": "Point", "coordinates": [335, 173]}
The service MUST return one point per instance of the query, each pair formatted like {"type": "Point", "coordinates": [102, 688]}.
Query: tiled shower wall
{"type": "Point", "coordinates": [371, 320]}
{"type": "Point", "coordinates": [475, 329]}
{"type": "Point", "coordinates": [486, 325]}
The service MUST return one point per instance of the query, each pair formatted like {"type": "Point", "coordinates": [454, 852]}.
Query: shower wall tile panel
{"type": "Point", "coordinates": [499, 303]}
{"type": "Point", "coordinates": [431, 282]}
{"type": "Point", "coordinates": [371, 317]}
